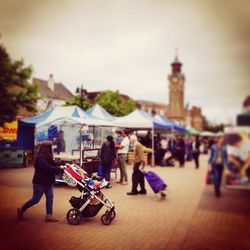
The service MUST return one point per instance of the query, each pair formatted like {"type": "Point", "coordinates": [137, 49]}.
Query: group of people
{"type": "Point", "coordinates": [111, 150]}
{"type": "Point", "coordinates": [179, 149]}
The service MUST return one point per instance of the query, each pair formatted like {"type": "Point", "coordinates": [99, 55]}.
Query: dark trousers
{"type": "Point", "coordinates": [38, 191]}
{"type": "Point", "coordinates": [107, 170]}
{"type": "Point", "coordinates": [180, 155]}
{"type": "Point", "coordinates": [196, 159]}
{"type": "Point", "coordinates": [217, 170]}
{"type": "Point", "coordinates": [137, 178]}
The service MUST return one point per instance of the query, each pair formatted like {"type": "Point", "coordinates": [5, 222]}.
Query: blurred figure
{"type": "Point", "coordinates": [119, 137]}
{"type": "Point", "coordinates": [148, 140]}
{"type": "Point", "coordinates": [238, 159]}
{"type": "Point", "coordinates": [196, 151]}
{"type": "Point", "coordinates": [60, 143]}
{"type": "Point", "coordinates": [168, 159]}
{"type": "Point", "coordinates": [137, 176]}
{"type": "Point", "coordinates": [188, 149]}
{"type": "Point", "coordinates": [107, 155]}
{"type": "Point", "coordinates": [122, 153]}
{"type": "Point", "coordinates": [180, 150]}
{"type": "Point", "coordinates": [217, 161]}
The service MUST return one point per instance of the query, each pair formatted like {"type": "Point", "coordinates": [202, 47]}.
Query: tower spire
{"type": "Point", "coordinates": [176, 65]}
{"type": "Point", "coordinates": [176, 54]}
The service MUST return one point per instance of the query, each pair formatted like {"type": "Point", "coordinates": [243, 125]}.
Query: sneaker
{"type": "Point", "coordinates": [124, 183]}
{"type": "Point", "coordinates": [142, 192]}
{"type": "Point", "coordinates": [51, 218]}
{"type": "Point", "coordinates": [108, 186]}
{"type": "Point", "coordinates": [132, 193]}
{"type": "Point", "coordinates": [19, 214]}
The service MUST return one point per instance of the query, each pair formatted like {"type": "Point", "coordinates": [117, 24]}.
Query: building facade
{"type": "Point", "coordinates": [52, 93]}
{"type": "Point", "coordinates": [153, 108]}
{"type": "Point", "coordinates": [194, 118]}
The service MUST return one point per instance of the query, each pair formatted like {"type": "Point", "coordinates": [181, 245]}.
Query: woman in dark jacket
{"type": "Point", "coordinates": [43, 180]}
{"type": "Point", "coordinates": [108, 154]}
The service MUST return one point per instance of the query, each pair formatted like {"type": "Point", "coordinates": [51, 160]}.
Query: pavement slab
{"type": "Point", "coordinates": [189, 218]}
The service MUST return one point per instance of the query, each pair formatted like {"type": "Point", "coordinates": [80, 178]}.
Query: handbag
{"type": "Point", "coordinates": [210, 177]}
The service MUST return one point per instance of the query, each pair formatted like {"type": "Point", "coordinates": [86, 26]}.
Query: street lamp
{"type": "Point", "coordinates": [82, 93]}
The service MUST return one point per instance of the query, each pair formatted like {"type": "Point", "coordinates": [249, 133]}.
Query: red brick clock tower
{"type": "Point", "coordinates": [176, 79]}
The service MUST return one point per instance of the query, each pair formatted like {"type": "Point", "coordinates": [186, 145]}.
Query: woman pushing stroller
{"type": "Point", "coordinates": [43, 180]}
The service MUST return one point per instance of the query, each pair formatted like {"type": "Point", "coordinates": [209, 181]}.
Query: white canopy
{"type": "Point", "coordinates": [69, 115]}
{"type": "Point", "coordinates": [207, 133]}
{"type": "Point", "coordinates": [99, 112]}
{"type": "Point", "coordinates": [138, 119]}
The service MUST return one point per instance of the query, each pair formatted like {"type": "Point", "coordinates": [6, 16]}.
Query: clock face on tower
{"type": "Point", "coordinates": [175, 79]}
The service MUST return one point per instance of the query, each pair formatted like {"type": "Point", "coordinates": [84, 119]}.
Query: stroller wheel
{"type": "Point", "coordinates": [74, 216]}
{"type": "Point", "coordinates": [111, 213]}
{"type": "Point", "coordinates": [106, 219]}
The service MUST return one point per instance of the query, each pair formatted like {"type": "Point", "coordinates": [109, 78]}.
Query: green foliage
{"type": "Point", "coordinates": [214, 127]}
{"type": "Point", "coordinates": [15, 92]}
{"type": "Point", "coordinates": [114, 103]}
{"type": "Point", "coordinates": [82, 102]}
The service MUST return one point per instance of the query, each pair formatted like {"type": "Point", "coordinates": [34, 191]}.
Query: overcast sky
{"type": "Point", "coordinates": [129, 45]}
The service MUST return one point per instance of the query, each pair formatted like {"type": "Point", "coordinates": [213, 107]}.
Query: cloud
{"type": "Point", "coordinates": [129, 46]}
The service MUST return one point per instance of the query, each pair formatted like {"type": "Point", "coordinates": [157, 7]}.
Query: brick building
{"type": "Point", "coordinates": [153, 108]}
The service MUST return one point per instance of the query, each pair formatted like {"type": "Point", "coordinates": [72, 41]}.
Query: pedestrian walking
{"type": "Point", "coordinates": [217, 161]}
{"type": "Point", "coordinates": [43, 180]}
{"type": "Point", "coordinates": [180, 151]}
{"type": "Point", "coordinates": [137, 176]}
{"type": "Point", "coordinates": [196, 151]}
{"type": "Point", "coordinates": [107, 155]}
{"type": "Point", "coordinates": [122, 153]}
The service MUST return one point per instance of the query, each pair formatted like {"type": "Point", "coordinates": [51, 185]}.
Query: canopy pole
{"type": "Point", "coordinates": [153, 147]}
{"type": "Point", "coordinates": [172, 137]}
{"type": "Point", "coordinates": [93, 137]}
{"type": "Point", "coordinates": [81, 145]}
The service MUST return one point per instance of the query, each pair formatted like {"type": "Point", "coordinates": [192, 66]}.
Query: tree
{"type": "Point", "coordinates": [82, 102]}
{"type": "Point", "coordinates": [16, 94]}
{"type": "Point", "coordinates": [208, 126]}
{"type": "Point", "coordinates": [115, 103]}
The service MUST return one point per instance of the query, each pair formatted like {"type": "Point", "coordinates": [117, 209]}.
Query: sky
{"type": "Point", "coordinates": [129, 46]}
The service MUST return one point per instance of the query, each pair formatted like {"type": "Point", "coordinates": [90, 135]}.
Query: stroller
{"type": "Point", "coordinates": [92, 199]}
{"type": "Point", "coordinates": [156, 183]}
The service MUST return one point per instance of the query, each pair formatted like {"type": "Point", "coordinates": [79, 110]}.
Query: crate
{"type": "Point", "coordinates": [12, 157]}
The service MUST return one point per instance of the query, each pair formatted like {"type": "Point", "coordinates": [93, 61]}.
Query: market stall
{"type": "Point", "coordinates": [71, 119]}
{"type": "Point", "coordinates": [138, 120]}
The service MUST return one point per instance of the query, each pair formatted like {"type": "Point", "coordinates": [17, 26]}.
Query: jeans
{"type": "Point", "coordinates": [137, 178]}
{"type": "Point", "coordinates": [122, 166]}
{"type": "Point", "coordinates": [38, 191]}
{"type": "Point", "coordinates": [217, 170]}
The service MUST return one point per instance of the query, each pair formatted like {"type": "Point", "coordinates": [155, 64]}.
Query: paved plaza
{"type": "Point", "coordinates": [189, 218]}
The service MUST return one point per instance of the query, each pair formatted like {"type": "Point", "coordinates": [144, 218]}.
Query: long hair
{"type": "Point", "coordinates": [110, 139]}
{"type": "Point", "coordinates": [44, 149]}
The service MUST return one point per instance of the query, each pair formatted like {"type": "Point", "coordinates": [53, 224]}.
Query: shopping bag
{"type": "Point", "coordinates": [210, 177]}
{"type": "Point", "coordinates": [154, 180]}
